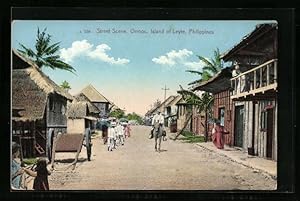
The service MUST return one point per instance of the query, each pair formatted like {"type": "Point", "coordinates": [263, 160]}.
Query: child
{"type": "Point", "coordinates": [41, 175]}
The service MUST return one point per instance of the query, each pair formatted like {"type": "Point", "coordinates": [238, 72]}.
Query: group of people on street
{"type": "Point", "coordinates": [18, 173]}
{"type": "Point", "coordinates": [116, 134]}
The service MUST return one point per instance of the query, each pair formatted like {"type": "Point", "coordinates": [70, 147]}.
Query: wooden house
{"type": "Point", "coordinates": [219, 86]}
{"type": "Point", "coordinates": [39, 108]}
{"type": "Point", "coordinates": [81, 115]}
{"type": "Point", "coordinates": [254, 93]}
{"type": "Point", "coordinates": [96, 98]}
{"type": "Point", "coordinates": [171, 111]}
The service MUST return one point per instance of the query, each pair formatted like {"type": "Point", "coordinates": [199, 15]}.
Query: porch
{"type": "Point", "coordinates": [259, 82]}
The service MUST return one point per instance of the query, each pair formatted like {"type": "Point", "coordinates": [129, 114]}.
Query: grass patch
{"type": "Point", "coordinates": [30, 161]}
{"type": "Point", "coordinates": [189, 137]}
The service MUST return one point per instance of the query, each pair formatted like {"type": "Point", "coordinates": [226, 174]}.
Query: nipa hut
{"type": "Point", "coordinates": [38, 108]}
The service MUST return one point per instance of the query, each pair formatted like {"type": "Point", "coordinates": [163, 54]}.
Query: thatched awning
{"type": "Point", "coordinates": [220, 82]}
{"type": "Point", "coordinates": [77, 110]}
{"type": "Point", "coordinates": [26, 94]}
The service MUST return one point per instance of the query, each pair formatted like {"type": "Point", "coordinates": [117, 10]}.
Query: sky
{"type": "Point", "coordinates": [130, 62]}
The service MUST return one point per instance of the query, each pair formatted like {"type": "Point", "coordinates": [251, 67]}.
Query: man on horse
{"type": "Point", "coordinates": [157, 123]}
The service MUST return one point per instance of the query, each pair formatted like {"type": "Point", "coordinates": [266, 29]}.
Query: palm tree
{"type": "Point", "coordinates": [202, 103]}
{"type": "Point", "coordinates": [65, 85]}
{"type": "Point", "coordinates": [212, 67]}
{"type": "Point", "coordinates": [205, 102]}
{"type": "Point", "coordinates": [45, 54]}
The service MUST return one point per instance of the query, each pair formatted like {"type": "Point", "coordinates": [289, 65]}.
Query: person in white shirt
{"type": "Point", "coordinates": [110, 136]}
{"type": "Point", "coordinates": [120, 130]}
{"type": "Point", "coordinates": [241, 81]}
{"type": "Point", "coordinates": [157, 123]}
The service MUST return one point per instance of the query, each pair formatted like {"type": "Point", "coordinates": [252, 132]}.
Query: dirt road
{"type": "Point", "coordinates": [136, 166]}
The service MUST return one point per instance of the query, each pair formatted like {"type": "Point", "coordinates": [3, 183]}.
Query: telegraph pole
{"type": "Point", "coordinates": [165, 89]}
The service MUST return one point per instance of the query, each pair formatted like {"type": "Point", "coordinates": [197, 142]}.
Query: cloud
{"type": "Point", "coordinates": [100, 53]}
{"type": "Point", "coordinates": [77, 48]}
{"type": "Point", "coordinates": [84, 48]}
{"type": "Point", "coordinates": [173, 57]}
{"type": "Point", "coordinates": [195, 65]}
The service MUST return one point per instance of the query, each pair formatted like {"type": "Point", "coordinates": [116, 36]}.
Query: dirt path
{"type": "Point", "coordinates": [136, 166]}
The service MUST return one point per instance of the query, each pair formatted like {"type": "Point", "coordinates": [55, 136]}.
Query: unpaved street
{"type": "Point", "coordinates": [136, 166]}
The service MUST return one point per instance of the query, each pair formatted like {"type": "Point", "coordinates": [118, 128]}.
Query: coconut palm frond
{"type": "Point", "coordinates": [46, 54]}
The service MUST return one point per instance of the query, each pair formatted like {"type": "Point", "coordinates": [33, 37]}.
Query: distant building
{"type": "Point", "coordinates": [96, 98]}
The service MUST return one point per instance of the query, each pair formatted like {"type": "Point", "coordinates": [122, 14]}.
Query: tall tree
{"type": "Point", "coordinates": [117, 113]}
{"type": "Point", "coordinates": [65, 85]}
{"type": "Point", "coordinates": [46, 53]}
{"type": "Point", "coordinates": [204, 102]}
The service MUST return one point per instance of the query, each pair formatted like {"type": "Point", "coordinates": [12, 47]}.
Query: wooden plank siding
{"type": "Point", "coordinates": [222, 100]}
{"type": "Point", "coordinates": [260, 135]}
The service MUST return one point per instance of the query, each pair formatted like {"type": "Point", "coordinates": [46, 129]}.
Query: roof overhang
{"type": "Point", "coordinates": [220, 82]}
{"type": "Point", "coordinates": [258, 32]}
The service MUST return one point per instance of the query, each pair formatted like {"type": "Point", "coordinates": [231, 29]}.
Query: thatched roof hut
{"type": "Point", "coordinates": [93, 95]}
{"type": "Point", "coordinates": [30, 90]}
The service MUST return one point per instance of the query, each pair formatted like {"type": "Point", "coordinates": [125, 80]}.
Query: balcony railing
{"type": "Point", "coordinates": [257, 80]}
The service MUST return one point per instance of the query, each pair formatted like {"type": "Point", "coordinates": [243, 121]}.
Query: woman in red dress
{"type": "Point", "coordinates": [218, 135]}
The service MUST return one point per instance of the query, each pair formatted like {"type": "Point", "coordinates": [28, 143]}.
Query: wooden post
{"type": "Point", "coordinates": [254, 79]}
{"type": "Point", "coordinates": [56, 137]}
{"type": "Point", "coordinates": [21, 149]}
{"type": "Point", "coordinates": [275, 71]}
{"type": "Point", "coordinates": [268, 74]}
{"type": "Point", "coordinates": [34, 139]}
{"type": "Point", "coordinates": [260, 78]}
{"type": "Point", "coordinates": [235, 87]}
{"type": "Point", "coordinates": [77, 153]}
{"type": "Point", "coordinates": [206, 130]}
